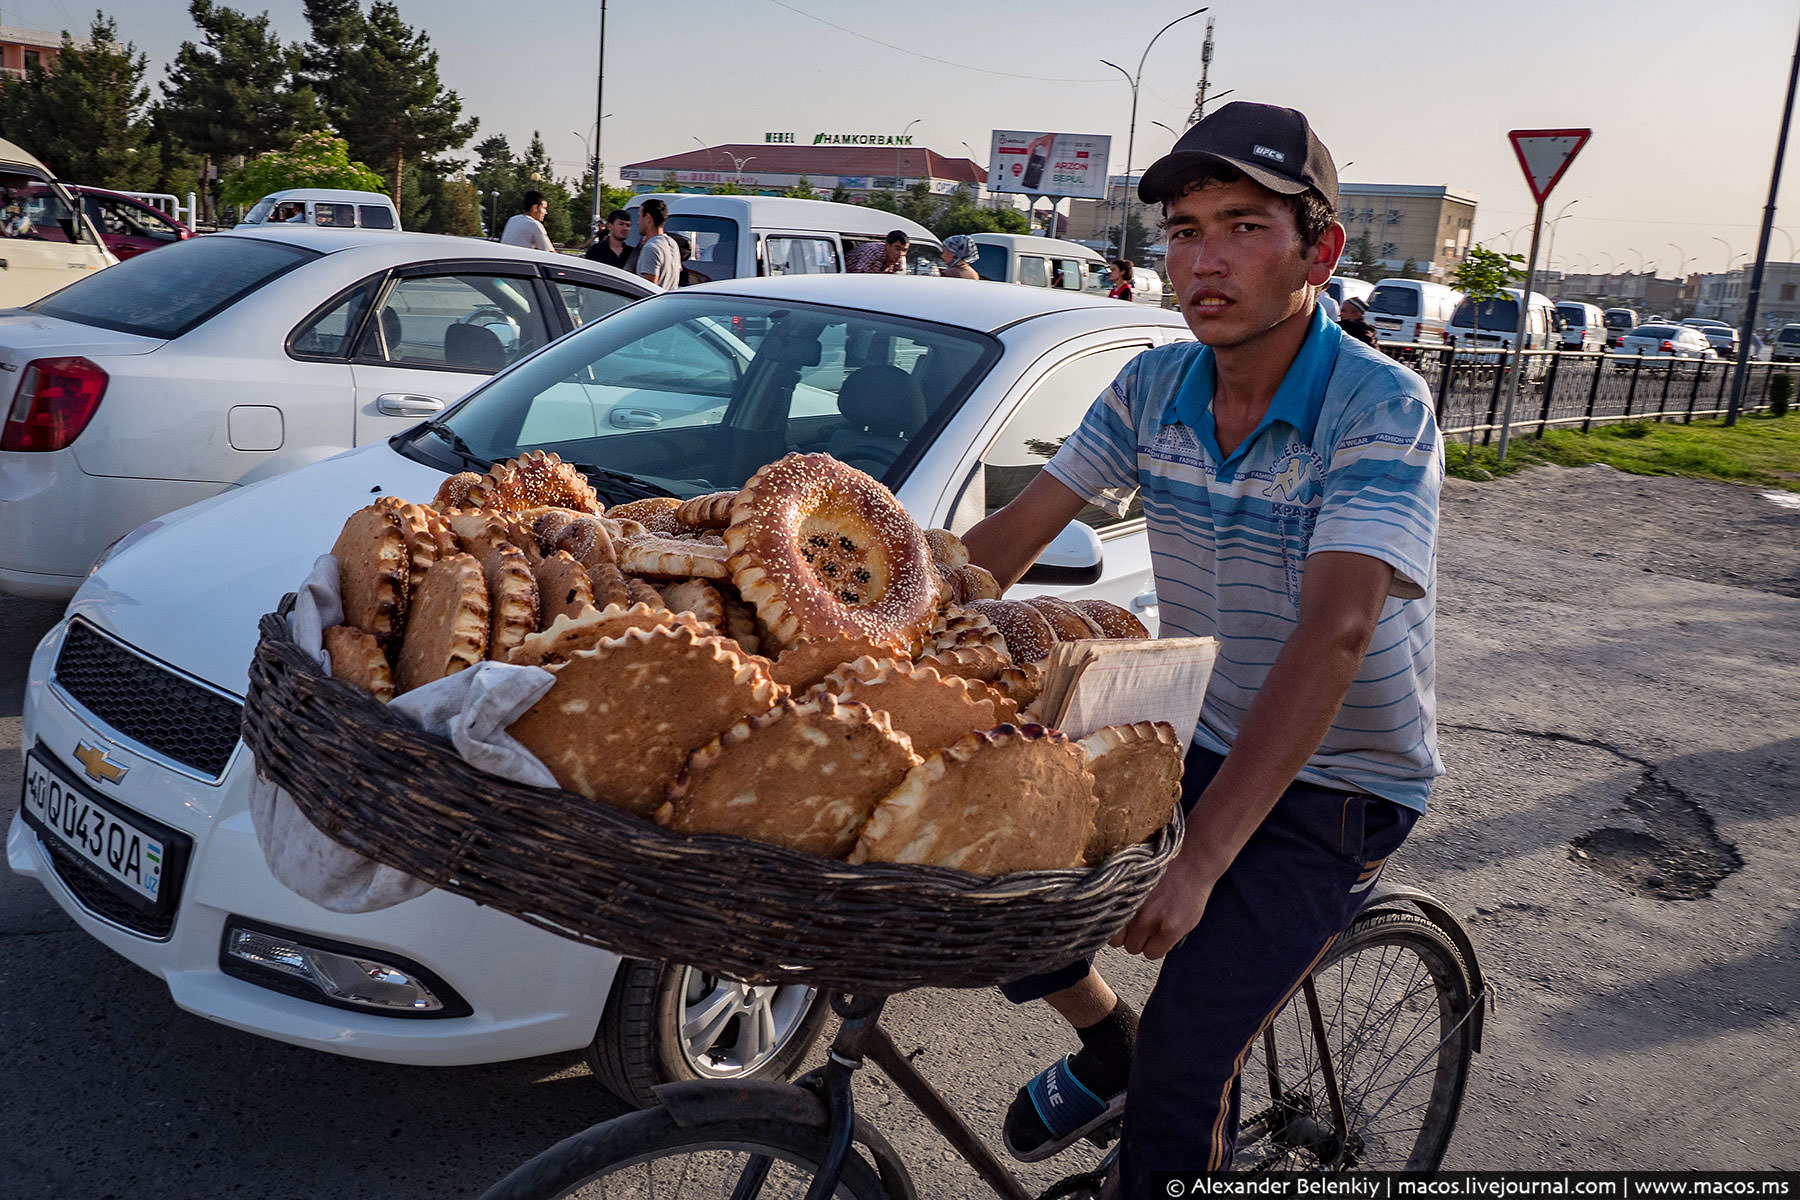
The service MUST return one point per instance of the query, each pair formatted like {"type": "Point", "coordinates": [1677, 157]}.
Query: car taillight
{"type": "Point", "coordinates": [55, 401]}
{"type": "Point", "coordinates": [1668, 346]}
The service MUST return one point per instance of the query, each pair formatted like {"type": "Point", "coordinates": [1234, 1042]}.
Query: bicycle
{"type": "Point", "coordinates": [1326, 1097]}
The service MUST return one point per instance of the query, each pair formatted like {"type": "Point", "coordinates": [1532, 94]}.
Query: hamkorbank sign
{"type": "Point", "coordinates": [839, 139]}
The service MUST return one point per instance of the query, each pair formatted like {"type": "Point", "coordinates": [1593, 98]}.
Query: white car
{"type": "Point", "coordinates": [229, 358]}
{"type": "Point", "coordinates": [1664, 342]}
{"type": "Point", "coordinates": [954, 396]}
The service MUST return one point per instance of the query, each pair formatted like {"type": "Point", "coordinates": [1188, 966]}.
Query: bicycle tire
{"type": "Point", "coordinates": [646, 1154]}
{"type": "Point", "coordinates": [1387, 968]}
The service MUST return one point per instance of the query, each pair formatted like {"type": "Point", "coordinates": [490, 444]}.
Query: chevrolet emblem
{"type": "Point", "coordinates": [94, 761]}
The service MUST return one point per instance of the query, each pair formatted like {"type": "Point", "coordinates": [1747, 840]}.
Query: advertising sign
{"type": "Point", "coordinates": [1049, 164]}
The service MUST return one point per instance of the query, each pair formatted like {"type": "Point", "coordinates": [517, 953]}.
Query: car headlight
{"type": "Point", "coordinates": [335, 974]}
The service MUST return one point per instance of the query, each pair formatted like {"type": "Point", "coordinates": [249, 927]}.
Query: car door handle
{"type": "Point", "coordinates": [635, 418]}
{"type": "Point", "coordinates": [1143, 600]}
{"type": "Point", "coordinates": [406, 404]}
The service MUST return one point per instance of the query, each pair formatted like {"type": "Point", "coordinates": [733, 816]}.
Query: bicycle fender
{"type": "Point", "coordinates": [1395, 898]}
{"type": "Point", "coordinates": [701, 1101]}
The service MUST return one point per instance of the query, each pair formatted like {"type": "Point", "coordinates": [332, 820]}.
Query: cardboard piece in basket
{"type": "Point", "coordinates": [1093, 683]}
{"type": "Point", "coordinates": [471, 708]}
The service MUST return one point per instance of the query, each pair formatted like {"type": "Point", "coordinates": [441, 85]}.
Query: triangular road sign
{"type": "Point", "coordinates": [1544, 154]}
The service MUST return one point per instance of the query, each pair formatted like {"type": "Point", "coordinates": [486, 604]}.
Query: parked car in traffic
{"type": "Point", "coordinates": [46, 241]}
{"type": "Point", "coordinates": [225, 359]}
{"type": "Point", "coordinates": [1043, 262]}
{"type": "Point", "coordinates": [1495, 324]}
{"type": "Point", "coordinates": [1723, 339]}
{"type": "Point", "coordinates": [1583, 325]}
{"type": "Point", "coordinates": [1785, 345]}
{"type": "Point", "coordinates": [324, 208]}
{"type": "Point", "coordinates": [1341, 288]}
{"type": "Point", "coordinates": [1412, 310]}
{"type": "Point", "coordinates": [1619, 322]}
{"type": "Point", "coordinates": [1666, 342]}
{"type": "Point", "coordinates": [738, 237]}
{"type": "Point", "coordinates": [127, 225]}
{"type": "Point", "coordinates": [952, 395]}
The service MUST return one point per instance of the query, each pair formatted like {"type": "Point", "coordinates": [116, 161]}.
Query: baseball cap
{"type": "Point", "coordinates": [1274, 146]}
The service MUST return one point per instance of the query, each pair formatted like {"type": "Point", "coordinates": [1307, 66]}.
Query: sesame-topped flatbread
{"type": "Point", "coordinates": [374, 569]}
{"type": "Point", "coordinates": [447, 629]}
{"type": "Point", "coordinates": [1008, 799]}
{"type": "Point", "coordinates": [802, 775]}
{"type": "Point", "coordinates": [357, 658]}
{"type": "Point", "coordinates": [1137, 783]}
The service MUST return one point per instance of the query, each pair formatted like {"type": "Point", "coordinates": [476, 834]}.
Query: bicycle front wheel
{"type": "Point", "coordinates": [646, 1154]}
{"type": "Point", "coordinates": [1394, 1002]}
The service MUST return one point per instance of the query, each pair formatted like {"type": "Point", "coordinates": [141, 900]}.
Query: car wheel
{"type": "Point", "coordinates": [667, 1023]}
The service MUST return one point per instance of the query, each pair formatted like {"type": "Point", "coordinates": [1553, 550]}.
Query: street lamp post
{"type": "Point", "coordinates": [1550, 242]}
{"type": "Point", "coordinates": [1131, 130]}
{"type": "Point", "coordinates": [897, 148]}
{"type": "Point", "coordinates": [599, 115]}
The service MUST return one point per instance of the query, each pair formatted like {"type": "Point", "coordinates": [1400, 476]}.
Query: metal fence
{"type": "Point", "coordinates": [1570, 389]}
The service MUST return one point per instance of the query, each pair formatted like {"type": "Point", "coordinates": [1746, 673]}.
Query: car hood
{"type": "Point", "coordinates": [188, 588]}
{"type": "Point", "coordinates": [27, 335]}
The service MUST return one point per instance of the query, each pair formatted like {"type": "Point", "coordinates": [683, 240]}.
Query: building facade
{"type": "Point", "coordinates": [1724, 295]}
{"type": "Point", "coordinates": [774, 168]}
{"type": "Point", "coordinates": [22, 49]}
{"type": "Point", "coordinates": [1422, 226]}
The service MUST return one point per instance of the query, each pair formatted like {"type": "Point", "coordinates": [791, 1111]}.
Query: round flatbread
{"type": "Point", "coordinates": [1137, 783]}
{"type": "Point", "coordinates": [929, 707]}
{"type": "Point", "coordinates": [357, 658]}
{"type": "Point", "coordinates": [447, 629]}
{"type": "Point", "coordinates": [373, 573]}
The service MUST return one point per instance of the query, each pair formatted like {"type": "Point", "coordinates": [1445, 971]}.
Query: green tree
{"type": "Point", "coordinates": [841, 194]}
{"type": "Point", "coordinates": [458, 209]}
{"type": "Point", "coordinates": [314, 160]}
{"type": "Point", "coordinates": [233, 94]}
{"type": "Point", "coordinates": [88, 117]}
{"type": "Point", "coordinates": [1363, 257]}
{"type": "Point", "coordinates": [728, 188]}
{"type": "Point", "coordinates": [537, 173]}
{"type": "Point", "coordinates": [1138, 236]}
{"type": "Point", "coordinates": [803, 189]}
{"type": "Point", "coordinates": [388, 100]}
{"type": "Point", "coordinates": [669, 183]}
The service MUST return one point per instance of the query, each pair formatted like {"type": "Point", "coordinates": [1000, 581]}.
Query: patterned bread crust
{"type": "Point", "coordinates": [563, 589]}
{"type": "Point", "coordinates": [1137, 783]}
{"type": "Point", "coordinates": [420, 525]}
{"type": "Point", "coordinates": [802, 775]}
{"type": "Point", "coordinates": [1028, 634]}
{"type": "Point", "coordinates": [373, 573]}
{"type": "Point", "coordinates": [698, 597]}
{"type": "Point", "coordinates": [947, 548]}
{"type": "Point", "coordinates": [622, 718]}
{"type": "Point", "coordinates": [534, 480]}
{"type": "Point", "coordinates": [512, 599]}
{"type": "Point", "coordinates": [1021, 684]}
{"type": "Point", "coordinates": [674, 558]}
{"type": "Point", "coordinates": [357, 658]}
{"type": "Point", "coordinates": [1114, 622]}
{"type": "Point", "coordinates": [820, 548]}
{"type": "Point", "coordinates": [566, 635]}
{"type": "Point", "coordinates": [981, 662]}
{"type": "Point", "coordinates": [1067, 622]}
{"type": "Point", "coordinates": [478, 531]}
{"type": "Point", "coordinates": [960, 628]}
{"type": "Point", "coordinates": [706, 512]}
{"type": "Point", "coordinates": [588, 540]}
{"type": "Point", "coordinates": [642, 591]}
{"type": "Point", "coordinates": [453, 493]}
{"type": "Point", "coordinates": [931, 708]}
{"type": "Point", "coordinates": [740, 624]}
{"type": "Point", "coordinates": [803, 665]}
{"type": "Point", "coordinates": [1008, 799]}
{"type": "Point", "coordinates": [655, 513]}
{"type": "Point", "coordinates": [447, 629]}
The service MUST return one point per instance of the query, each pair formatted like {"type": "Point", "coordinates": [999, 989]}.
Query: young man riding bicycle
{"type": "Point", "coordinates": [1290, 480]}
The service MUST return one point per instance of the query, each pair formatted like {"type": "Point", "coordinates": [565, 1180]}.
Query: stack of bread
{"type": "Point", "coordinates": [797, 662]}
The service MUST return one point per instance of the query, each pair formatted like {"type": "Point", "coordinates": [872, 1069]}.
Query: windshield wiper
{"type": "Point", "coordinates": [455, 442]}
{"type": "Point", "coordinates": [633, 486]}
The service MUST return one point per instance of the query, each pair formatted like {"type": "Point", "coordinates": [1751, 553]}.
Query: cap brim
{"type": "Point", "coordinates": [1158, 181]}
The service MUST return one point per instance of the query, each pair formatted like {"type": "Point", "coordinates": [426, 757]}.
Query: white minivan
{"type": "Point", "coordinates": [1412, 310]}
{"type": "Point", "coordinates": [1039, 262]}
{"type": "Point", "coordinates": [738, 237]}
{"type": "Point", "coordinates": [1583, 325]}
{"type": "Point", "coordinates": [327, 208]}
{"type": "Point", "coordinates": [46, 241]}
{"type": "Point", "coordinates": [1490, 324]}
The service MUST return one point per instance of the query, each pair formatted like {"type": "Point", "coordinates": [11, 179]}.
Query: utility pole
{"type": "Point", "coordinates": [1206, 50]}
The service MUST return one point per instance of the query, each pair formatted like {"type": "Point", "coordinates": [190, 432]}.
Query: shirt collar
{"type": "Point", "coordinates": [1296, 402]}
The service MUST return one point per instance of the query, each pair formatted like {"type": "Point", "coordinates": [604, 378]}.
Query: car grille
{"type": "Point", "coordinates": [145, 701]}
{"type": "Point", "coordinates": [89, 887]}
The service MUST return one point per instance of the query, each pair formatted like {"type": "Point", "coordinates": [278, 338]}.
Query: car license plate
{"type": "Point", "coordinates": [1387, 322]}
{"type": "Point", "coordinates": [61, 809]}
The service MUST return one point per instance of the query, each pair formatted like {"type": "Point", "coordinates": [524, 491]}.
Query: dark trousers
{"type": "Point", "coordinates": [1294, 887]}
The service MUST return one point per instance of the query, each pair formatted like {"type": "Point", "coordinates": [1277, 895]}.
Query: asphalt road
{"type": "Point", "coordinates": [1620, 828]}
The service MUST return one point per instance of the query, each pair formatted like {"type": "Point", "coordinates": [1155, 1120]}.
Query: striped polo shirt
{"type": "Point", "coordinates": [1347, 458]}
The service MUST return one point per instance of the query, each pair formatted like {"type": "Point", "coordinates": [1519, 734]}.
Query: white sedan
{"type": "Point", "coordinates": [233, 357]}
{"type": "Point", "coordinates": [1661, 343]}
{"type": "Point", "coordinates": [954, 394]}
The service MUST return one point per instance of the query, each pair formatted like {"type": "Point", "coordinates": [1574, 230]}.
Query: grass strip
{"type": "Point", "coordinates": [1760, 450]}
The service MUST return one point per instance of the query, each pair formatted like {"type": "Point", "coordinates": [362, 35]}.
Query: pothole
{"type": "Point", "coordinates": [1665, 846]}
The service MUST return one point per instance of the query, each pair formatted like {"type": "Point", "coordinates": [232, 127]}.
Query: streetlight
{"type": "Point", "coordinates": [1173, 132]}
{"type": "Point", "coordinates": [593, 156]}
{"type": "Point", "coordinates": [1612, 267]}
{"type": "Point", "coordinates": [1681, 262]}
{"type": "Point", "coordinates": [600, 114]}
{"type": "Point", "coordinates": [1790, 241]}
{"type": "Point", "coordinates": [897, 145]}
{"type": "Point", "coordinates": [1551, 240]}
{"type": "Point", "coordinates": [1728, 254]}
{"type": "Point", "coordinates": [1131, 131]}
{"type": "Point", "coordinates": [1640, 259]}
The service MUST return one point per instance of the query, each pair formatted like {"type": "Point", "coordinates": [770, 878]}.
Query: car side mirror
{"type": "Point", "coordinates": [1073, 557]}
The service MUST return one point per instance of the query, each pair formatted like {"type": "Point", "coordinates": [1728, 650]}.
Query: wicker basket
{"type": "Point", "coordinates": [373, 781]}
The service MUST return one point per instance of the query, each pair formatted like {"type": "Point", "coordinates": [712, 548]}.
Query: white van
{"type": "Point", "coordinates": [1412, 310]}
{"type": "Point", "coordinates": [1342, 287]}
{"type": "Point", "coordinates": [46, 240]}
{"type": "Point", "coordinates": [1495, 323]}
{"type": "Point", "coordinates": [1039, 262]}
{"type": "Point", "coordinates": [735, 237]}
{"type": "Point", "coordinates": [1583, 325]}
{"type": "Point", "coordinates": [327, 208]}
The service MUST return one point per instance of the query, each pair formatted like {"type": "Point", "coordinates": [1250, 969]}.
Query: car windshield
{"type": "Point", "coordinates": [1619, 320]}
{"type": "Point", "coordinates": [1395, 302]}
{"type": "Point", "coordinates": [1574, 314]}
{"type": "Point", "coordinates": [184, 285]}
{"type": "Point", "coordinates": [1789, 335]}
{"type": "Point", "coordinates": [690, 393]}
{"type": "Point", "coordinates": [1497, 316]}
{"type": "Point", "coordinates": [1654, 331]}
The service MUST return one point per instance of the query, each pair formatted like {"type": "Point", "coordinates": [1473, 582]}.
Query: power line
{"type": "Point", "coordinates": [856, 33]}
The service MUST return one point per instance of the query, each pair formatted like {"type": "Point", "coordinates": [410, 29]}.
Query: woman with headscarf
{"type": "Point", "coordinates": [959, 252]}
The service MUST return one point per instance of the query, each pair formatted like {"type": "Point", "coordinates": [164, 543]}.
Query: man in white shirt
{"type": "Point", "coordinates": [659, 258]}
{"type": "Point", "coordinates": [527, 228]}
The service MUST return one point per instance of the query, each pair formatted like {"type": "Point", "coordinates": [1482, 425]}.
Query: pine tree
{"type": "Point", "coordinates": [87, 116]}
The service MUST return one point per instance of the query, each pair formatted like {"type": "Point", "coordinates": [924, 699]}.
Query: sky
{"type": "Point", "coordinates": [1684, 100]}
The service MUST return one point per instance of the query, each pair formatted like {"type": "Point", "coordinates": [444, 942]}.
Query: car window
{"type": "Point", "coordinates": [1574, 314]}
{"type": "Point", "coordinates": [375, 216]}
{"type": "Point", "coordinates": [1037, 430]}
{"type": "Point", "coordinates": [1789, 335]}
{"type": "Point", "coordinates": [166, 294]}
{"type": "Point", "coordinates": [32, 211]}
{"type": "Point", "coordinates": [1395, 302]}
{"type": "Point", "coordinates": [328, 333]}
{"type": "Point", "coordinates": [789, 255]}
{"type": "Point", "coordinates": [1034, 271]}
{"type": "Point", "coordinates": [586, 302]}
{"type": "Point", "coordinates": [1497, 316]}
{"type": "Point", "coordinates": [124, 219]}
{"type": "Point", "coordinates": [463, 322]}
{"type": "Point", "coordinates": [1068, 274]}
{"type": "Point", "coordinates": [668, 390]}
{"type": "Point", "coordinates": [715, 242]}
{"type": "Point", "coordinates": [335, 216]}
{"type": "Point", "coordinates": [990, 262]}
{"type": "Point", "coordinates": [1653, 331]}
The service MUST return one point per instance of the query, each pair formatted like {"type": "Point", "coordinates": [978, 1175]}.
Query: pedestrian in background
{"type": "Point", "coordinates": [881, 258]}
{"type": "Point", "coordinates": [526, 228]}
{"type": "Point", "coordinates": [609, 246]}
{"type": "Point", "coordinates": [658, 257]}
{"type": "Point", "coordinates": [959, 253]}
{"type": "Point", "coordinates": [1352, 319]}
{"type": "Point", "coordinates": [1119, 271]}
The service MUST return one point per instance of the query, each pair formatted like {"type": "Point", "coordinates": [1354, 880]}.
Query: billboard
{"type": "Point", "coordinates": [1049, 164]}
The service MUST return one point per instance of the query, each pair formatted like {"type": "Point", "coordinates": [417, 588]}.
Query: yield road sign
{"type": "Point", "coordinates": [1544, 154]}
